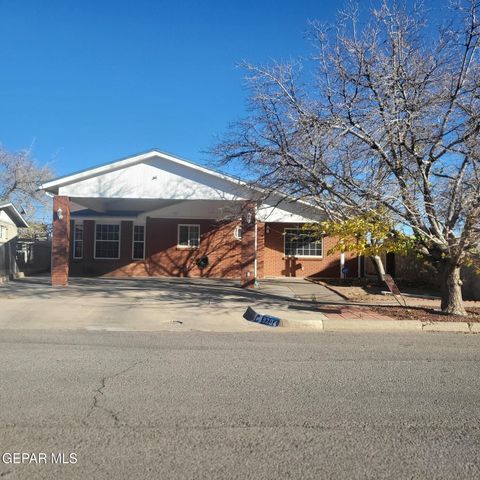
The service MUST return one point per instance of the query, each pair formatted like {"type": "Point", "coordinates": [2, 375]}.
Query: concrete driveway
{"type": "Point", "coordinates": [151, 304]}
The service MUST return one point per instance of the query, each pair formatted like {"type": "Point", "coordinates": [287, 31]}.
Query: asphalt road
{"type": "Point", "coordinates": [204, 405]}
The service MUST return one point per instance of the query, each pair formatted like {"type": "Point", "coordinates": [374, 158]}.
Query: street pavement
{"type": "Point", "coordinates": [197, 405]}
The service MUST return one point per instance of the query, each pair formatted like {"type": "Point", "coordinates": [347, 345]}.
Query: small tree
{"type": "Point", "coordinates": [36, 231]}
{"type": "Point", "coordinates": [391, 120]}
{"type": "Point", "coordinates": [20, 176]}
{"type": "Point", "coordinates": [369, 235]}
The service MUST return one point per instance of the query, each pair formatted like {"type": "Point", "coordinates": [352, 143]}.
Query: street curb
{"type": "Point", "coordinates": [331, 325]}
{"type": "Point", "coordinates": [372, 325]}
{"type": "Point", "coordinates": [475, 327]}
{"type": "Point", "coordinates": [461, 327]}
{"type": "Point", "coordinates": [302, 324]}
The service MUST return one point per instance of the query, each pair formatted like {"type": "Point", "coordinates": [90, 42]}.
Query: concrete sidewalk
{"type": "Point", "coordinates": [300, 289]}
{"type": "Point", "coordinates": [190, 305]}
{"type": "Point", "coordinates": [150, 304]}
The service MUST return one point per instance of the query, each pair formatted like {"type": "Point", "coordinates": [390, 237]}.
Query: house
{"type": "Point", "coordinates": [10, 221]}
{"type": "Point", "coordinates": [154, 214]}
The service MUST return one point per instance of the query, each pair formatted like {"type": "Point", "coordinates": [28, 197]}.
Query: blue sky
{"type": "Point", "coordinates": [87, 82]}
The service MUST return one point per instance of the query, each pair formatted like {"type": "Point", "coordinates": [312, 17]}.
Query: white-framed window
{"type": "Point", "coordinates": [302, 243]}
{"type": "Point", "coordinates": [138, 247]}
{"type": "Point", "coordinates": [188, 236]}
{"type": "Point", "coordinates": [3, 232]}
{"type": "Point", "coordinates": [78, 240]}
{"type": "Point", "coordinates": [107, 241]}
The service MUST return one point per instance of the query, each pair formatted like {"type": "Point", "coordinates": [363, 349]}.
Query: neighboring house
{"type": "Point", "coordinates": [10, 221]}
{"type": "Point", "coordinates": [154, 214]}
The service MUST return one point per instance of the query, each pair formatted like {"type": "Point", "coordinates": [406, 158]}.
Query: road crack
{"type": "Point", "coordinates": [99, 394]}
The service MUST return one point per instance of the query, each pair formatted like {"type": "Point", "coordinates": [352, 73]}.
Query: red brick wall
{"type": "Point", "coordinates": [248, 245]}
{"type": "Point", "coordinates": [260, 249]}
{"type": "Point", "coordinates": [216, 241]}
{"type": "Point", "coordinates": [162, 256]}
{"type": "Point", "coordinates": [275, 264]}
{"type": "Point", "coordinates": [60, 241]}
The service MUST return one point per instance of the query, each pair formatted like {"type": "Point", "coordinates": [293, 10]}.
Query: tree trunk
{"type": "Point", "coordinates": [451, 289]}
{"type": "Point", "coordinates": [379, 270]}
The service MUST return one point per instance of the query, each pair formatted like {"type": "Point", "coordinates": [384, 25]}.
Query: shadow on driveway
{"type": "Point", "coordinates": [185, 291]}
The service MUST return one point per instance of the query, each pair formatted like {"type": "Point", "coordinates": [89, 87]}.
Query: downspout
{"type": "Point", "coordinates": [342, 264]}
{"type": "Point", "coordinates": [256, 246]}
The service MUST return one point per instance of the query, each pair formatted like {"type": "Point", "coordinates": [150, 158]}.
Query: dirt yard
{"type": "Point", "coordinates": [425, 314]}
{"type": "Point", "coordinates": [423, 303]}
{"type": "Point", "coordinates": [360, 290]}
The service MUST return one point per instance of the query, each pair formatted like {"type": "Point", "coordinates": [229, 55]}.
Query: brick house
{"type": "Point", "coordinates": [154, 214]}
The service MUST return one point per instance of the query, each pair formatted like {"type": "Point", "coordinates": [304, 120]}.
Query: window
{"type": "Point", "coordinates": [107, 240]}
{"type": "Point", "coordinates": [78, 240]}
{"type": "Point", "coordinates": [302, 243]}
{"type": "Point", "coordinates": [3, 232]}
{"type": "Point", "coordinates": [189, 236]}
{"type": "Point", "coordinates": [138, 242]}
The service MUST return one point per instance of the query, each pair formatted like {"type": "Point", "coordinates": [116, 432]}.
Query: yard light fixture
{"type": "Point", "coordinates": [60, 214]}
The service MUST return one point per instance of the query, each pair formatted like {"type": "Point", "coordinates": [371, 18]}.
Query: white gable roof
{"type": "Point", "coordinates": [9, 213]}
{"type": "Point", "coordinates": [158, 175]}
{"type": "Point", "coordinates": [152, 174]}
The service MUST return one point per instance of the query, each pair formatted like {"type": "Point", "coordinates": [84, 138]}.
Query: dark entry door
{"type": "Point", "coordinates": [390, 266]}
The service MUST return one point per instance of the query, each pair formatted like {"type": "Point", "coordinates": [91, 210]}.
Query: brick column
{"type": "Point", "coordinates": [261, 227]}
{"type": "Point", "coordinates": [60, 241]}
{"type": "Point", "coordinates": [247, 276]}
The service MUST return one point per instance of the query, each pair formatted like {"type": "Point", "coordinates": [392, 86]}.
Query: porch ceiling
{"type": "Point", "coordinates": [140, 208]}
{"type": "Point", "coordinates": [161, 208]}
{"type": "Point", "coordinates": [134, 205]}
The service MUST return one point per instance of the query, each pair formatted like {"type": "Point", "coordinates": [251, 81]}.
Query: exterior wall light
{"type": "Point", "coordinates": [237, 233]}
{"type": "Point", "coordinates": [60, 214]}
{"type": "Point", "coordinates": [249, 217]}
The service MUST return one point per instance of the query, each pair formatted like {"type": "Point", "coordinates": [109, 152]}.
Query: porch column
{"type": "Point", "coordinates": [261, 227]}
{"type": "Point", "coordinates": [60, 241]}
{"type": "Point", "coordinates": [248, 245]}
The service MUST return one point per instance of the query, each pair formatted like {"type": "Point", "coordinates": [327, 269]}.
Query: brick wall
{"type": "Point", "coordinates": [60, 241]}
{"type": "Point", "coordinates": [162, 256]}
{"type": "Point", "coordinates": [275, 264]}
{"type": "Point", "coordinates": [247, 270]}
{"type": "Point", "coordinates": [260, 249]}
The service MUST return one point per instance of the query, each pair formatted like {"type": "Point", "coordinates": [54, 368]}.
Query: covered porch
{"type": "Point", "coordinates": [154, 237]}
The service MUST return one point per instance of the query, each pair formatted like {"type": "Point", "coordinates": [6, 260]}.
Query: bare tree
{"type": "Point", "coordinates": [390, 121]}
{"type": "Point", "coordinates": [20, 176]}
